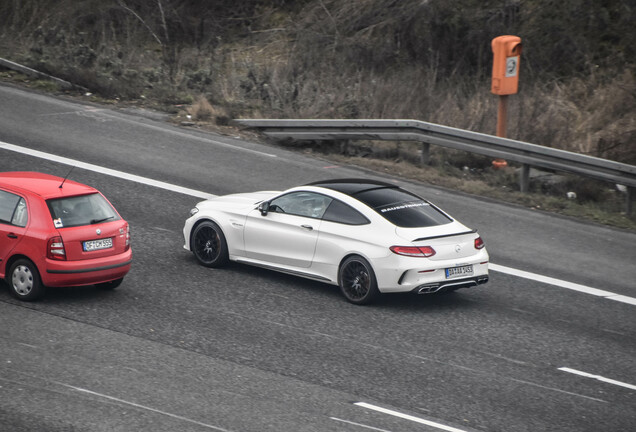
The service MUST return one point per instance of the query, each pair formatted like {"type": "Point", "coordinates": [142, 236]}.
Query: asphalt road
{"type": "Point", "coordinates": [182, 347]}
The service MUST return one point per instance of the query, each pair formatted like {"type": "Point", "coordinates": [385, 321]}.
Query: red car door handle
{"type": "Point", "coordinates": [11, 235]}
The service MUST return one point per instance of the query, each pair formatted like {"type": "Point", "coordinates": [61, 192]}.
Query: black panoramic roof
{"type": "Point", "coordinates": [352, 187]}
{"type": "Point", "coordinates": [400, 207]}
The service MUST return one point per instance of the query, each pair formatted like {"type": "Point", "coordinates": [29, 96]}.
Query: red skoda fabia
{"type": "Point", "coordinates": [56, 232]}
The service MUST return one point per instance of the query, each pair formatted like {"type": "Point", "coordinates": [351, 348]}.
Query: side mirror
{"type": "Point", "coordinates": [264, 208]}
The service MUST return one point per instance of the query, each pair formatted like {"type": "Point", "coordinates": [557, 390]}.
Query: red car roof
{"type": "Point", "coordinates": [45, 185]}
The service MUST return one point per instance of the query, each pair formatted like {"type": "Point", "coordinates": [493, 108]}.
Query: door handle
{"type": "Point", "coordinates": [307, 227]}
{"type": "Point", "coordinates": [12, 236]}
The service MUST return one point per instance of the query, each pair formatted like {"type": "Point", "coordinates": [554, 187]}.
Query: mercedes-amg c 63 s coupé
{"type": "Point", "coordinates": [368, 237]}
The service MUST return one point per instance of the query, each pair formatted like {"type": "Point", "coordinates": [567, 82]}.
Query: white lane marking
{"type": "Point", "coordinates": [598, 377]}
{"type": "Point", "coordinates": [106, 171]}
{"type": "Point", "coordinates": [563, 284]}
{"type": "Point", "coordinates": [359, 424]}
{"type": "Point", "coordinates": [145, 408]}
{"type": "Point", "coordinates": [622, 298]}
{"type": "Point", "coordinates": [408, 417]}
{"type": "Point", "coordinates": [205, 195]}
{"type": "Point", "coordinates": [557, 390]}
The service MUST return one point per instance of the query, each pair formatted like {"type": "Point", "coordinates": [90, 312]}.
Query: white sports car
{"type": "Point", "coordinates": [366, 236]}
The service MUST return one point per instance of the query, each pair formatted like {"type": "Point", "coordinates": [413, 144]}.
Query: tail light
{"type": "Point", "coordinates": [413, 251]}
{"type": "Point", "coordinates": [127, 236]}
{"type": "Point", "coordinates": [479, 243]}
{"type": "Point", "coordinates": [55, 249]}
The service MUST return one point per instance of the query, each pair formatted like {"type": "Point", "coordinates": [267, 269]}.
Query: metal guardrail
{"type": "Point", "coordinates": [428, 133]}
{"type": "Point", "coordinates": [37, 74]}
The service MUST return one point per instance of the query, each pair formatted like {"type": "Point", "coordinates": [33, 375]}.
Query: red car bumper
{"type": "Point", "coordinates": [86, 272]}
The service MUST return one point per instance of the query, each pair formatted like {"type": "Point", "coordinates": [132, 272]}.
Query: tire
{"type": "Point", "coordinates": [357, 281]}
{"type": "Point", "coordinates": [24, 281]}
{"type": "Point", "coordinates": [209, 245]}
{"type": "Point", "coordinates": [110, 285]}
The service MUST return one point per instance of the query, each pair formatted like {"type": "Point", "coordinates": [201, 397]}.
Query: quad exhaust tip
{"type": "Point", "coordinates": [441, 286]}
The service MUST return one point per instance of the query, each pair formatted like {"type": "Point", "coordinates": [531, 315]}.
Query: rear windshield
{"type": "Point", "coordinates": [81, 210]}
{"type": "Point", "coordinates": [403, 208]}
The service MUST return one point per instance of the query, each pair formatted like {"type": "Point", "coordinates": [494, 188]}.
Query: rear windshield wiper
{"type": "Point", "coordinates": [96, 221]}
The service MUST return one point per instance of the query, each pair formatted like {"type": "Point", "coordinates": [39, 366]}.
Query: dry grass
{"type": "Point", "coordinates": [201, 110]}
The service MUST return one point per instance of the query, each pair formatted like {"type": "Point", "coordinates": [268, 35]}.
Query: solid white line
{"type": "Point", "coordinates": [623, 299]}
{"type": "Point", "coordinates": [408, 417]}
{"type": "Point", "coordinates": [358, 424]}
{"type": "Point", "coordinates": [145, 408]}
{"type": "Point", "coordinates": [106, 171]}
{"type": "Point", "coordinates": [563, 284]}
{"type": "Point", "coordinates": [598, 377]}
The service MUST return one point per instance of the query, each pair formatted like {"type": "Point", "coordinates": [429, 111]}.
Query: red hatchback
{"type": "Point", "coordinates": [56, 232]}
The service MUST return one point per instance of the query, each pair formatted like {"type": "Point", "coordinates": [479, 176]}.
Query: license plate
{"type": "Point", "coordinates": [92, 245]}
{"type": "Point", "coordinates": [460, 271]}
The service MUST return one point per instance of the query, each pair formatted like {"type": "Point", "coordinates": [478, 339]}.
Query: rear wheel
{"type": "Point", "coordinates": [110, 285]}
{"type": "Point", "coordinates": [209, 245]}
{"type": "Point", "coordinates": [357, 281]}
{"type": "Point", "coordinates": [24, 281]}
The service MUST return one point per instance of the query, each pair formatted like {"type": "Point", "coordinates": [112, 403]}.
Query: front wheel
{"type": "Point", "coordinates": [24, 281]}
{"type": "Point", "coordinates": [357, 281]}
{"type": "Point", "coordinates": [209, 245]}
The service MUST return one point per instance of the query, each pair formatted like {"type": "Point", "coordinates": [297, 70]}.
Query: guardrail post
{"type": "Point", "coordinates": [524, 178]}
{"type": "Point", "coordinates": [629, 198]}
{"type": "Point", "coordinates": [425, 154]}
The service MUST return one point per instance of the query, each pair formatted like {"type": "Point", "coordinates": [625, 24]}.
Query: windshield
{"type": "Point", "coordinates": [81, 210]}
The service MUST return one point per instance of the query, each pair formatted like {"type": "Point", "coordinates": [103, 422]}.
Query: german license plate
{"type": "Point", "coordinates": [92, 245]}
{"type": "Point", "coordinates": [455, 272]}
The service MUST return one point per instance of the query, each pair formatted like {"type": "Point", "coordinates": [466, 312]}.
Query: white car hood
{"type": "Point", "coordinates": [236, 201]}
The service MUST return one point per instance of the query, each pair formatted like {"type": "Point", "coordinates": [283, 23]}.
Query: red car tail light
{"type": "Point", "coordinates": [55, 249]}
{"type": "Point", "coordinates": [127, 236]}
{"type": "Point", "coordinates": [413, 251]}
{"type": "Point", "coordinates": [479, 243]}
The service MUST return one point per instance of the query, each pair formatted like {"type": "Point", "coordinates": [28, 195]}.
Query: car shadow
{"type": "Point", "coordinates": [54, 295]}
{"type": "Point", "coordinates": [433, 302]}
{"type": "Point", "coordinates": [459, 299]}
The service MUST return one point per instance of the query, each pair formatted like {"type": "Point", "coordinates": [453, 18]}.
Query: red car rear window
{"type": "Point", "coordinates": [81, 210]}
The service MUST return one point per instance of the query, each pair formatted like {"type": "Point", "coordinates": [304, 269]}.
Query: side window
{"type": "Point", "coordinates": [13, 209]}
{"type": "Point", "coordinates": [307, 204]}
{"type": "Point", "coordinates": [342, 213]}
{"type": "Point", "coordinates": [20, 215]}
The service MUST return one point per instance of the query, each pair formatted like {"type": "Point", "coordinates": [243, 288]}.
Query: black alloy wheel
{"type": "Point", "coordinates": [357, 281]}
{"type": "Point", "coordinates": [209, 245]}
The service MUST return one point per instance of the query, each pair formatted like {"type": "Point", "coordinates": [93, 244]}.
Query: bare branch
{"type": "Point", "coordinates": [154, 35]}
{"type": "Point", "coordinates": [163, 21]}
{"type": "Point", "coordinates": [335, 25]}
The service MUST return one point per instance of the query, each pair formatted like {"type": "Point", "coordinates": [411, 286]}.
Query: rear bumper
{"type": "Point", "coordinates": [450, 285]}
{"type": "Point", "coordinates": [86, 272]}
{"type": "Point", "coordinates": [421, 275]}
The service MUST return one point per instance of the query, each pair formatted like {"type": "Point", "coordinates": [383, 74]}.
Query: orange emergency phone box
{"type": "Point", "coordinates": [505, 67]}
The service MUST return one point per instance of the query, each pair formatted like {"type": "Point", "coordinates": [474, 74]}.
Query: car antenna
{"type": "Point", "coordinates": [69, 173]}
